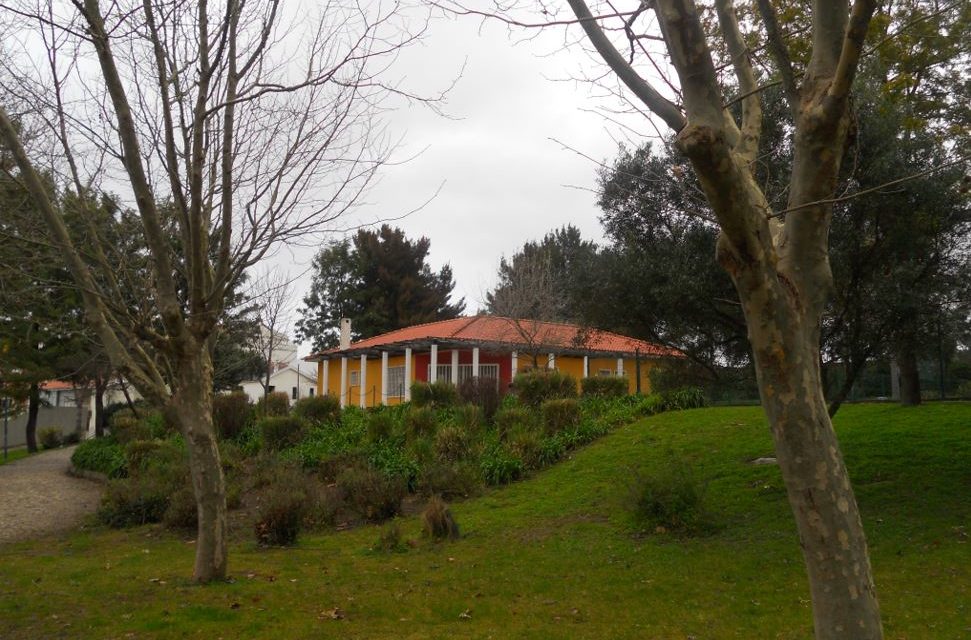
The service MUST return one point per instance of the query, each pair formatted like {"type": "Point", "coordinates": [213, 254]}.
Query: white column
{"type": "Point", "coordinates": [620, 366]}
{"type": "Point", "coordinates": [586, 366]}
{"type": "Point", "coordinates": [384, 377]}
{"type": "Point", "coordinates": [343, 381]}
{"type": "Point", "coordinates": [551, 361]}
{"type": "Point", "coordinates": [325, 377]}
{"type": "Point", "coordinates": [455, 367]}
{"type": "Point", "coordinates": [514, 362]}
{"type": "Point", "coordinates": [363, 377]}
{"type": "Point", "coordinates": [433, 369]}
{"type": "Point", "coordinates": [475, 362]}
{"type": "Point", "coordinates": [407, 373]}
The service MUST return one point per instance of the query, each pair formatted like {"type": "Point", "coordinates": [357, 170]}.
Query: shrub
{"type": "Point", "coordinates": [125, 429]}
{"type": "Point", "coordinates": [551, 450]}
{"type": "Point", "coordinates": [672, 499]}
{"type": "Point", "coordinates": [138, 453]}
{"type": "Point", "coordinates": [420, 422]}
{"type": "Point", "coordinates": [604, 386]}
{"type": "Point", "coordinates": [684, 398]}
{"type": "Point", "coordinates": [280, 432]}
{"type": "Point", "coordinates": [325, 409]}
{"type": "Point", "coordinates": [538, 385]}
{"type": "Point", "coordinates": [273, 404]}
{"type": "Point", "coordinates": [450, 480]}
{"type": "Point", "coordinates": [380, 426]}
{"type": "Point", "coordinates": [560, 415]}
{"type": "Point", "coordinates": [390, 540]}
{"type": "Point", "coordinates": [438, 394]}
{"type": "Point", "coordinates": [181, 512]}
{"type": "Point", "coordinates": [437, 520]}
{"type": "Point", "coordinates": [483, 393]}
{"type": "Point", "coordinates": [499, 466]}
{"type": "Point", "coordinates": [231, 412]}
{"type": "Point", "coordinates": [134, 501]}
{"type": "Point", "coordinates": [50, 438]}
{"type": "Point", "coordinates": [526, 445]}
{"type": "Point", "coordinates": [648, 405]}
{"type": "Point", "coordinates": [511, 418]}
{"type": "Point", "coordinates": [453, 443]}
{"type": "Point", "coordinates": [102, 455]}
{"type": "Point", "coordinates": [371, 493]}
{"type": "Point", "coordinates": [469, 417]}
{"type": "Point", "coordinates": [281, 516]}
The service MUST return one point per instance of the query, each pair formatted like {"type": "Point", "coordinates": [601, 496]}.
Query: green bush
{"type": "Point", "coordinates": [499, 466]}
{"type": "Point", "coordinates": [437, 520]}
{"type": "Point", "coordinates": [526, 445]}
{"type": "Point", "coordinates": [672, 499]}
{"type": "Point", "coordinates": [281, 432]}
{"type": "Point", "coordinates": [453, 443]}
{"type": "Point", "coordinates": [449, 480]}
{"type": "Point", "coordinates": [684, 398]}
{"type": "Point", "coordinates": [134, 501]}
{"type": "Point", "coordinates": [535, 386]}
{"type": "Point", "coordinates": [138, 453]}
{"type": "Point", "coordinates": [371, 493]}
{"type": "Point", "coordinates": [273, 404]}
{"type": "Point", "coordinates": [438, 394]}
{"type": "Point", "coordinates": [560, 415]}
{"type": "Point", "coordinates": [511, 418]}
{"type": "Point", "coordinates": [281, 516]}
{"type": "Point", "coordinates": [182, 512]}
{"type": "Point", "coordinates": [551, 450]}
{"type": "Point", "coordinates": [125, 428]}
{"type": "Point", "coordinates": [468, 417]}
{"type": "Point", "coordinates": [483, 393]}
{"type": "Point", "coordinates": [420, 422]}
{"type": "Point", "coordinates": [604, 386]}
{"type": "Point", "coordinates": [380, 426]}
{"type": "Point", "coordinates": [102, 455]}
{"type": "Point", "coordinates": [648, 405]}
{"type": "Point", "coordinates": [325, 409]}
{"type": "Point", "coordinates": [50, 438]}
{"type": "Point", "coordinates": [231, 412]}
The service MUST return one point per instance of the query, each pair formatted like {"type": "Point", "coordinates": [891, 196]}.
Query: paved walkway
{"type": "Point", "coordinates": [38, 497]}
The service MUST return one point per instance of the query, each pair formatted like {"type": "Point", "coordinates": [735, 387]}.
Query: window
{"type": "Point", "coordinates": [465, 372]}
{"type": "Point", "coordinates": [355, 379]}
{"type": "Point", "coordinates": [605, 372]}
{"type": "Point", "coordinates": [294, 392]}
{"type": "Point", "coordinates": [311, 390]}
{"type": "Point", "coordinates": [396, 382]}
{"type": "Point", "coordinates": [270, 389]}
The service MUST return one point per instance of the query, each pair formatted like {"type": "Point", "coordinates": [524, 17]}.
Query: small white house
{"type": "Point", "coordinates": [297, 379]}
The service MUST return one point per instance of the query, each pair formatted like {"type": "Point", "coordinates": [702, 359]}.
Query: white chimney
{"type": "Point", "coordinates": [345, 333]}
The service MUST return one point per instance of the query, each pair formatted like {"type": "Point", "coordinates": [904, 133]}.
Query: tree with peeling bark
{"type": "Point", "coordinates": [231, 128]}
{"type": "Point", "coordinates": [777, 259]}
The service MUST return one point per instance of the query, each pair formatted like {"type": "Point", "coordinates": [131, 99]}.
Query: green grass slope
{"type": "Point", "coordinates": [554, 556]}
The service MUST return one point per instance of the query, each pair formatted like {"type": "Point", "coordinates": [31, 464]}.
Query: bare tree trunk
{"type": "Point", "coordinates": [100, 384]}
{"type": "Point", "coordinates": [33, 406]}
{"type": "Point", "coordinates": [192, 404]}
{"type": "Point", "coordinates": [817, 483]}
{"type": "Point", "coordinates": [909, 377]}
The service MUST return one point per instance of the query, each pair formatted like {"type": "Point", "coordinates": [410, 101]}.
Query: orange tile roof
{"type": "Point", "coordinates": [486, 329]}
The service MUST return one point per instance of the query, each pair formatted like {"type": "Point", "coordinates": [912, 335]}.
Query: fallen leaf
{"type": "Point", "coordinates": [334, 614]}
{"type": "Point", "coordinates": [466, 615]}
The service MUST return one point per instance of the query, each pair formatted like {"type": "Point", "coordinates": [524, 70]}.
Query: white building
{"type": "Point", "coordinates": [297, 379]}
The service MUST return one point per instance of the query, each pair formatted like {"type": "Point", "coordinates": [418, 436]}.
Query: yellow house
{"type": "Point", "coordinates": [380, 370]}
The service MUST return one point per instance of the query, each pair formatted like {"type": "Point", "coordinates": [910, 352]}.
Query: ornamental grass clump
{"type": "Point", "coordinates": [560, 415]}
{"type": "Point", "coordinates": [281, 432]}
{"type": "Point", "coordinates": [438, 522]}
{"type": "Point", "coordinates": [535, 386]}
{"type": "Point", "coordinates": [231, 412]}
{"type": "Point", "coordinates": [319, 410]}
{"type": "Point", "coordinates": [604, 386]}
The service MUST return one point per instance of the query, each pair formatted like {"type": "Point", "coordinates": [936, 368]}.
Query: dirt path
{"type": "Point", "coordinates": [38, 497]}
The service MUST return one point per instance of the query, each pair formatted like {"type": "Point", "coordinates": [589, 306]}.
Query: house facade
{"type": "Point", "coordinates": [297, 379]}
{"type": "Point", "coordinates": [381, 370]}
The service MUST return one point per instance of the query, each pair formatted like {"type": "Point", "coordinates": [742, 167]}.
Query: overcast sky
{"type": "Point", "coordinates": [503, 180]}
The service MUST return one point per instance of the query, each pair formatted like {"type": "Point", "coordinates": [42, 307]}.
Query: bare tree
{"type": "Point", "coordinates": [231, 128]}
{"type": "Point", "coordinates": [275, 300]}
{"type": "Point", "coordinates": [778, 260]}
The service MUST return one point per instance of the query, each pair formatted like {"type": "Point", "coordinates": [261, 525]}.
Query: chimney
{"type": "Point", "coordinates": [345, 333]}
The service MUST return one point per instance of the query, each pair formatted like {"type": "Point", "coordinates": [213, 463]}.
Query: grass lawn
{"type": "Point", "coordinates": [13, 454]}
{"type": "Point", "coordinates": [554, 556]}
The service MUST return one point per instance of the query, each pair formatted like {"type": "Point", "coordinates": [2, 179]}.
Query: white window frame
{"type": "Point", "coordinates": [606, 373]}
{"type": "Point", "coordinates": [354, 378]}
{"type": "Point", "coordinates": [396, 382]}
{"type": "Point", "coordinates": [486, 370]}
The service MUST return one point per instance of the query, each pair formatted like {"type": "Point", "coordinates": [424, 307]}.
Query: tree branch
{"type": "Point", "coordinates": [780, 53]}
